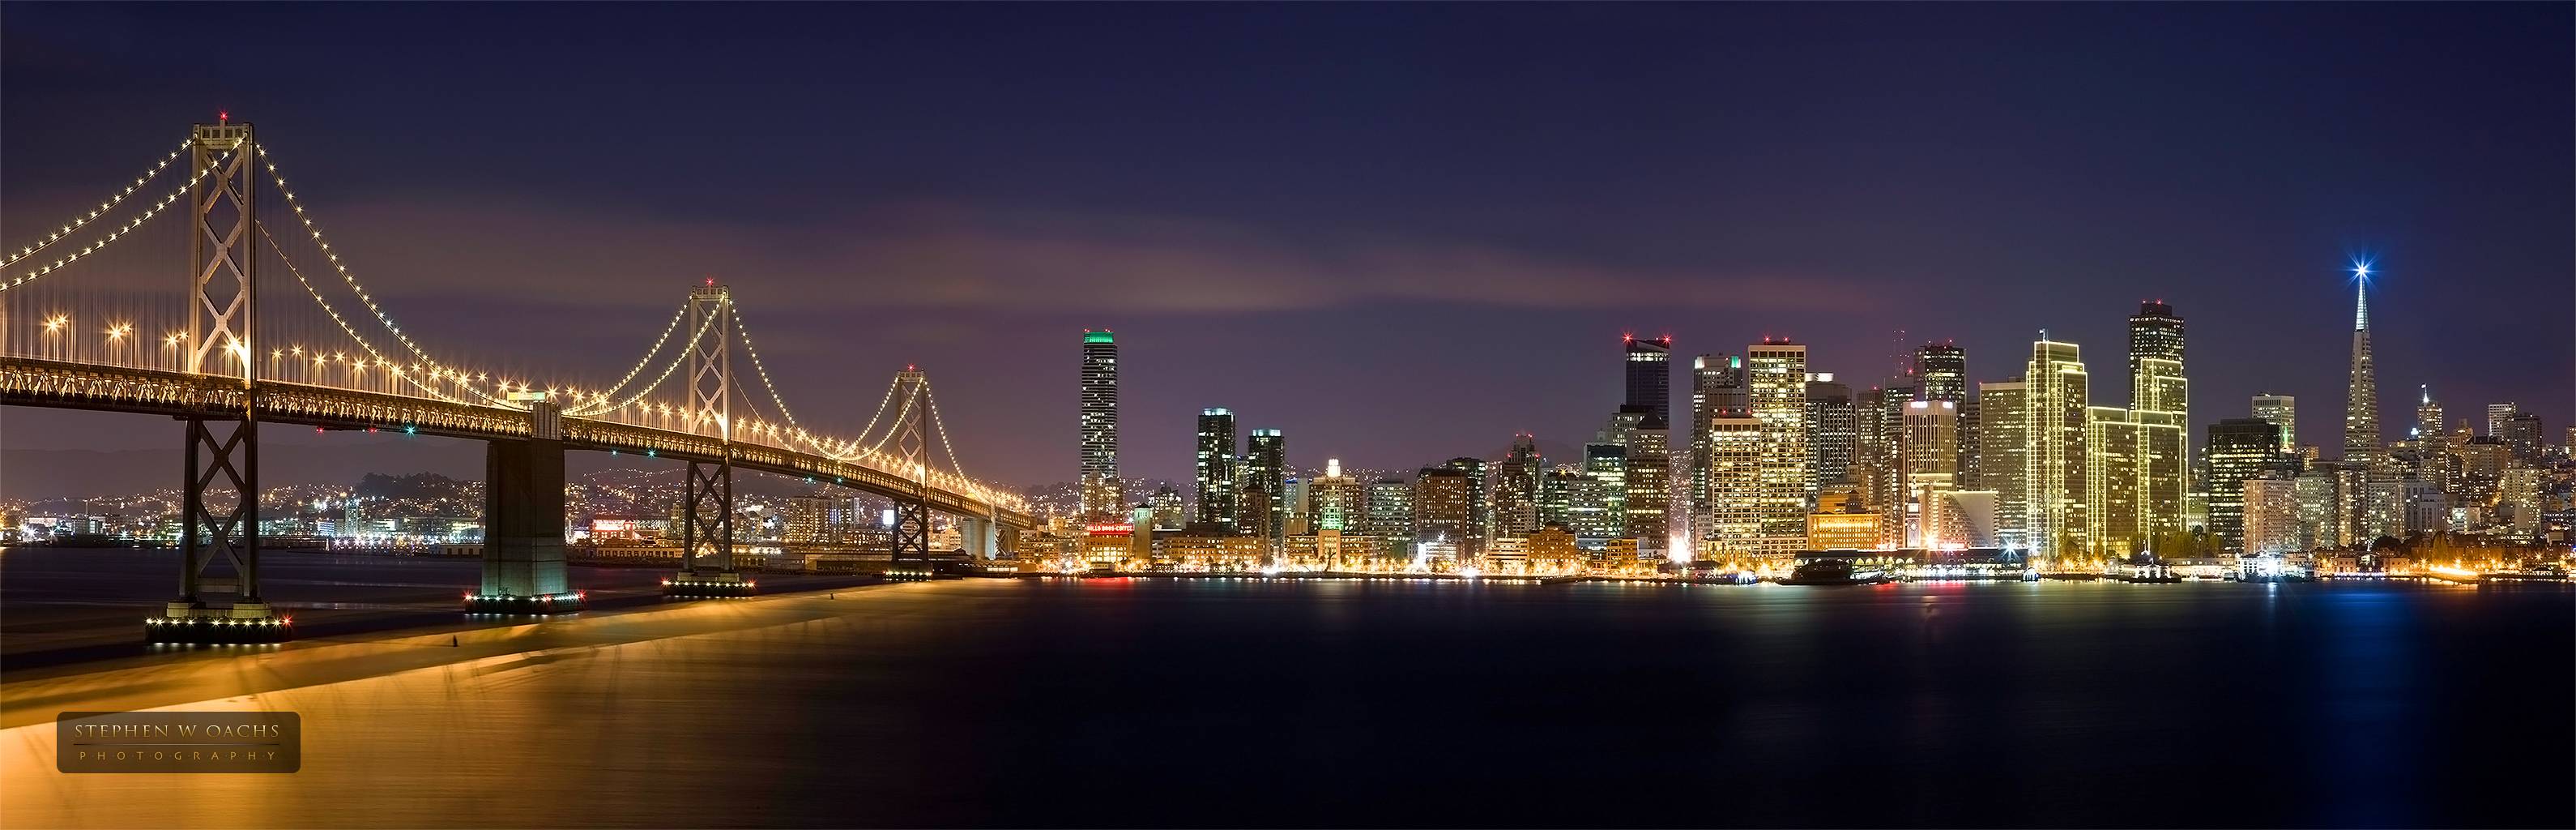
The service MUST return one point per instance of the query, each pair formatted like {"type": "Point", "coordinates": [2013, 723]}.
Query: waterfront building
{"type": "Point", "coordinates": [2239, 450]}
{"type": "Point", "coordinates": [2269, 516]}
{"type": "Point", "coordinates": [1556, 494]}
{"type": "Point", "coordinates": [2054, 415]}
{"type": "Point", "coordinates": [1444, 509]}
{"type": "Point", "coordinates": [2134, 478]}
{"type": "Point", "coordinates": [1337, 501]}
{"type": "Point", "coordinates": [2004, 445]}
{"type": "Point", "coordinates": [1516, 488]}
{"type": "Point", "coordinates": [1645, 425]}
{"type": "Point", "coordinates": [1842, 531]}
{"type": "Point", "coordinates": [1717, 388]}
{"type": "Point", "coordinates": [2281, 411]}
{"type": "Point", "coordinates": [1265, 466]}
{"type": "Point", "coordinates": [1390, 511]}
{"type": "Point", "coordinates": [1776, 395]}
{"type": "Point", "coordinates": [1168, 511]}
{"type": "Point", "coordinates": [1551, 550]}
{"type": "Point", "coordinates": [1216, 474]}
{"type": "Point", "coordinates": [1598, 503]}
{"type": "Point", "coordinates": [1480, 505]}
{"type": "Point", "coordinates": [1735, 487]}
{"type": "Point", "coordinates": [1832, 431]}
{"type": "Point", "coordinates": [1963, 519]}
{"type": "Point", "coordinates": [1101, 494]}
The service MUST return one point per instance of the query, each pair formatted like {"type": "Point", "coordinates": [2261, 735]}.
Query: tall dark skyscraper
{"type": "Point", "coordinates": [1516, 488]}
{"type": "Point", "coordinates": [1650, 381]}
{"type": "Point", "coordinates": [1265, 463]}
{"type": "Point", "coordinates": [1101, 494]}
{"type": "Point", "coordinates": [1832, 432]}
{"type": "Point", "coordinates": [1941, 373]}
{"type": "Point", "coordinates": [2239, 449]}
{"type": "Point", "coordinates": [1717, 388]}
{"type": "Point", "coordinates": [1216, 468]}
{"type": "Point", "coordinates": [1644, 425]}
{"type": "Point", "coordinates": [2156, 360]}
{"type": "Point", "coordinates": [2361, 406]}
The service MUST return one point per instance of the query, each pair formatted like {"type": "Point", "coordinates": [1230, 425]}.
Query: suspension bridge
{"type": "Point", "coordinates": [270, 324]}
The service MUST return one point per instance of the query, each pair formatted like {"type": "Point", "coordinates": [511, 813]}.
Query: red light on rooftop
{"type": "Point", "coordinates": [223, 117]}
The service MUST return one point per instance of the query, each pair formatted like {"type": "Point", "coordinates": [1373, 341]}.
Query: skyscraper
{"type": "Point", "coordinates": [2432, 442]}
{"type": "Point", "coordinates": [1216, 468]}
{"type": "Point", "coordinates": [1735, 487]}
{"type": "Point", "coordinates": [1650, 380]}
{"type": "Point", "coordinates": [2055, 418]}
{"type": "Point", "coordinates": [1516, 488]}
{"type": "Point", "coordinates": [1339, 501]}
{"type": "Point", "coordinates": [2361, 407]}
{"type": "Point", "coordinates": [2521, 431]}
{"type": "Point", "coordinates": [2496, 413]}
{"type": "Point", "coordinates": [1717, 388]}
{"type": "Point", "coordinates": [2156, 360]}
{"type": "Point", "coordinates": [1832, 431]}
{"type": "Point", "coordinates": [1644, 424]}
{"type": "Point", "coordinates": [1443, 508]}
{"type": "Point", "coordinates": [2281, 411]}
{"type": "Point", "coordinates": [1776, 394]}
{"type": "Point", "coordinates": [2004, 444]}
{"type": "Point", "coordinates": [1480, 507]}
{"type": "Point", "coordinates": [1102, 496]}
{"type": "Point", "coordinates": [2239, 449]}
{"type": "Point", "coordinates": [1598, 505]}
{"type": "Point", "coordinates": [1941, 373]}
{"type": "Point", "coordinates": [1390, 512]}
{"type": "Point", "coordinates": [1265, 463]}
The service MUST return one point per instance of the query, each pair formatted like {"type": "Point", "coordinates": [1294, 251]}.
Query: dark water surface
{"type": "Point", "coordinates": [1114, 702]}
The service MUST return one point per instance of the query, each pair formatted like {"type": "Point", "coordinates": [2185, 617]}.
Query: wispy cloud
{"type": "Point", "coordinates": [939, 256]}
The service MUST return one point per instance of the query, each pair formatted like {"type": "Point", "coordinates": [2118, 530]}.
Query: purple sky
{"type": "Point", "coordinates": [1399, 233]}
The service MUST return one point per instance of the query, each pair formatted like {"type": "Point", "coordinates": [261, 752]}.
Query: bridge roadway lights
{"type": "Point", "coordinates": [243, 624]}
{"type": "Point", "coordinates": [695, 584]}
{"type": "Point", "coordinates": [563, 603]}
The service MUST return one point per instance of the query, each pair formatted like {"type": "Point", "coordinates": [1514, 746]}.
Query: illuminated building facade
{"type": "Point", "coordinates": [1516, 488]}
{"type": "Point", "coordinates": [2055, 419]}
{"type": "Point", "coordinates": [1735, 487]}
{"type": "Point", "coordinates": [1842, 531]}
{"type": "Point", "coordinates": [2156, 378]}
{"type": "Point", "coordinates": [2134, 478]}
{"type": "Point", "coordinates": [1832, 432]}
{"type": "Point", "coordinates": [2239, 450]}
{"type": "Point", "coordinates": [2270, 516]}
{"type": "Point", "coordinates": [1265, 466]}
{"type": "Point", "coordinates": [1644, 424]}
{"type": "Point", "coordinates": [2361, 406]}
{"type": "Point", "coordinates": [1390, 510]}
{"type": "Point", "coordinates": [1444, 508]}
{"type": "Point", "coordinates": [1102, 495]}
{"type": "Point", "coordinates": [1338, 502]}
{"type": "Point", "coordinates": [1776, 395]}
{"type": "Point", "coordinates": [2281, 411]}
{"type": "Point", "coordinates": [1717, 388]}
{"type": "Point", "coordinates": [1598, 503]}
{"type": "Point", "coordinates": [2004, 443]}
{"type": "Point", "coordinates": [1216, 468]}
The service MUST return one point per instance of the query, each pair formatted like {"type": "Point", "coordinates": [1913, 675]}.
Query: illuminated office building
{"type": "Point", "coordinates": [1216, 468]}
{"type": "Point", "coordinates": [1444, 508]}
{"type": "Point", "coordinates": [1337, 501]}
{"type": "Point", "coordinates": [1598, 503]}
{"type": "Point", "coordinates": [2432, 443]}
{"type": "Point", "coordinates": [1102, 496]}
{"type": "Point", "coordinates": [1832, 432]}
{"type": "Point", "coordinates": [2004, 444]}
{"type": "Point", "coordinates": [2496, 413]}
{"type": "Point", "coordinates": [1516, 488]}
{"type": "Point", "coordinates": [1735, 487]}
{"type": "Point", "coordinates": [2156, 360]}
{"type": "Point", "coordinates": [1265, 465]}
{"type": "Point", "coordinates": [2361, 406]}
{"type": "Point", "coordinates": [1390, 511]}
{"type": "Point", "coordinates": [2239, 450]}
{"type": "Point", "coordinates": [2134, 478]}
{"type": "Point", "coordinates": [1717, 388]}
{"type": "Point", "coordinates": [1941, 373]}
{"type": "Point", "coordinates": [1644, 424]}
{"type": "Point", "coordinates": [2521, 432]}
{"type": "Point", "coordinates": [2281, 411]}
{"type": "Point", "coordinates": [1776, 395]}
{"type": "Point", "coordinates": [2054, 415]}
{"type": "Point", "coordinates": [2271, 517]}
{"type": "Point", "coordinates": [1480, 505]}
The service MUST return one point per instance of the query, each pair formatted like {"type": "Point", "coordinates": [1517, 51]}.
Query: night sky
{"type": "Point", "coordinates": [1399, 233]}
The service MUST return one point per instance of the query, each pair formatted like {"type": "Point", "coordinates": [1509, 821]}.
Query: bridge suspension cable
{"type": "Point", "coordinates": [102, 242]}
{"type": "Point", "coordinates": [364, 297]}
{"type": "Point", "coordinates": [410, 378]}
{"type": "Point", "coordinates": [104, 208]}
{"type": "Point", "coordinates": [647, 359]}
{"type": "Point", "coordinates": [674, 366]}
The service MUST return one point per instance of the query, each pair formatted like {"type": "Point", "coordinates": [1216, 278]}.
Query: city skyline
{"type": "Point", "coordinates": [1499, 335]}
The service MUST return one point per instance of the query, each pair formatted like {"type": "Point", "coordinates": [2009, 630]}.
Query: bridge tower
{"type": "Point", "coordinates": [706, 532]}
{"type": "Point", "coordinates": [219, 494]}
{"type": "Point", "coordinates": [911, 543]}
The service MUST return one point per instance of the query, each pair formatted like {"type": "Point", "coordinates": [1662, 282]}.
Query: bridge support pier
{"type": "Point", "coordinates": [523, 525]}
{"type": "Point", "coordinates": [221, 467]}
{"type": "Point", "coordinates": [911, 541]}
{"type": "Point", "coordinates": [978, 538]}
{"type": "Point", "coordinates": [706, 537]}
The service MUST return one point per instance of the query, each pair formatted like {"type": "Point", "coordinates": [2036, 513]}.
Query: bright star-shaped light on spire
{"type": "Point", "coordinates": [2361, 270]}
